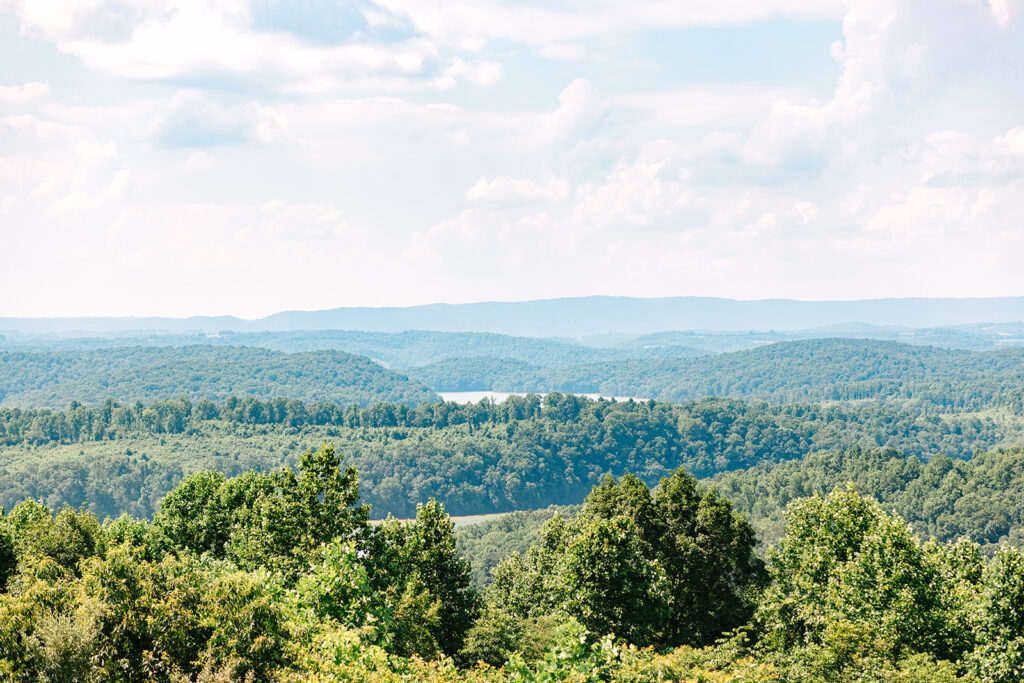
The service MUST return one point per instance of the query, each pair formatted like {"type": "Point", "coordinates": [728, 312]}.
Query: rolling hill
{"type": "Point", "coordinates": [54, 379]}
{"type": "Point", "coordinates": [816, 369]}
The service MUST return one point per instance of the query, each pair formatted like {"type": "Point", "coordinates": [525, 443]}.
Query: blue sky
{"type": "Point", "coordinates": [202, 157]}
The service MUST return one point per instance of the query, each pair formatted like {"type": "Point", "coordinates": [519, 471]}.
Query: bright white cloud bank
{"type": "Point", "coordinates": [242, 157]}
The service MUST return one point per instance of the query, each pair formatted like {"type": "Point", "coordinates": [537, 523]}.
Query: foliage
{"type": "Point", "coordinates": [676, 567]}
{"type": "Point", "coordinates": [981, 498]}
{"type": "Point", "coordinates": [525, 453]}
{"type": "Point", "coordinates": [138, 373]}
{"type": "Point", "coordinates": [921, 378]}
{"type": "Point", "coordinates": [854, 591]}
{"type": "Point", "coordinates": [999, 655]}
{"type": "Point", "coordinates": [320, 594]}
{"type": "Point", "coordinates": [487, 543]}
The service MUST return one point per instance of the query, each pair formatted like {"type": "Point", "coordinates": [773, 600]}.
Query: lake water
{"type": "Point", "coordinates": [499, 396]}
{"type": "Point", "coordinates": [465, 520]}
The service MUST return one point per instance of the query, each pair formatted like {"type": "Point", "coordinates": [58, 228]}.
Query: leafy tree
{"type": "Point", "coordinates": [999, 656]}
{"type": "Point", "coordinates": [851, 582]}
{"type": "Point", "coordinates": [67, 537]}
{"type": "Point", "coordinates": [706, 551]}
{"type": "Point", "coordinates": [606, 579]}
{"type": "Point", "coordinates": [8, 556]}
{"type": "Point", "coordinates": [191, 517]}
{"type": "Point", "coordinates": [283, 526]}
{"type": "Point", "coordinates": [424, 581]}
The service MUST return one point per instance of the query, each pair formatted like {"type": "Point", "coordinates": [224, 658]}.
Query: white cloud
{"type": "Point", "coordinates": [440, 162]}
{"type": "Point", "coordinates": [22, 94]}
{"type": "Point", "coordinates": [505, 191]}
{"type": "Point", "coordinates": [482, 73]}
{"type": "Point", "coordinates": [635, 194]}
{"type": "Point", "coordinates": [192, 120]}
{"type": "Point", "coordinates": [806, 210]}
{"type": "Point", "coordinates": [718, 105]}
{"type": "Point", "coordinates": [546, 25]}
{"type": "Point", "coordinates": [581, 109]}
{"type": "Point", "coordinates": [205, 40]}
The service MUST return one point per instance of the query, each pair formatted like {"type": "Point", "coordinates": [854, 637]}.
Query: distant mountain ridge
{"type": "Point", "coordinates": [574, 317]}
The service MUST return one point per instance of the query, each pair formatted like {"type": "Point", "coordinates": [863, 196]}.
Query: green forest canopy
{"type": "Point", "coordinates": [920, 377]}
{"type": "Point", "coordinates": [56, 378]}
{"type": "Point", "coordinates": [278, 576]}
{"type": "Point", "coordinates": [525, 453]}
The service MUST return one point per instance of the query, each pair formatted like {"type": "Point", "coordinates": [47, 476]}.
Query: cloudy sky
{"type": "Point", "coordinates": [229, 156]}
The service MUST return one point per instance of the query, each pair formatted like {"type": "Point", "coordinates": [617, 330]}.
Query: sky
{"type": "Point", "coordinates": [182, 157]}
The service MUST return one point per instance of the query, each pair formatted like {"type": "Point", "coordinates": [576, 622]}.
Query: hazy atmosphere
{"type": "Point", "coordinates": [483, 341]}
{"type": "Point", "coordinates": [197, 157]}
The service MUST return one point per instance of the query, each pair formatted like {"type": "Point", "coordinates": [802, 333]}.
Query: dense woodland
{"type": "Point", "coordinates": [525, 453]}
{"type": "Point", "coordinates": [394, 349]}
{"type": "Point", "coordinates": [56, 378]}
{"type": "Point", "coordinates": [922, 378]}
{"type": "Point", "coordinates": [981, 498]}
{"type": "Point", "coordinates": [852, 513]}
{"type": "Point", "coordinates": [918, 377]}
{"type": "Point", "coordinates": [278, 576]}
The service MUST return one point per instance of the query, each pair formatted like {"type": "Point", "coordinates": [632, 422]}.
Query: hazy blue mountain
{"type": "Point", "coordinates": [983, 336]}
{"type": "Point", "coordinates": [394, 349]}
{"type": "Point", "coordinates": [577, 317]}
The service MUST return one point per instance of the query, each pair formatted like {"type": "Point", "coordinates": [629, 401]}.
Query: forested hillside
{"type": "Point", "coordinates": [975, 337]}
{"type": "Point", "coordinates": [981, 498]}
{"type": "Point", "coordinates": [309, 366]}
{"type": "Point", "coordinates": [129, 374]}
{"type": "Point", "coordinates": [233, 567]}
{"type": "Point", "coordinates": [487, 543]}
{"type": "Point", "coordinates": [524, 453]}
{"type": "Point", "coordinates": [615, 563]}
{"type": "Point", "coordinates": [919, 377]}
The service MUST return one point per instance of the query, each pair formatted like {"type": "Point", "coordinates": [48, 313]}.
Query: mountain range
{"type": "Point", "coordinates": [570, 317]}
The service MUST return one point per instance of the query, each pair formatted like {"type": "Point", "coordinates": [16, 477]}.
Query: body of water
{"type": "Point", "coordinates": [463, 520]}
{"type": "Point", "coordinates": [499, 396]}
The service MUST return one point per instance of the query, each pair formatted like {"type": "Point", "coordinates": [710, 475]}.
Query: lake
{"type": "Point", "coordinates": [499, 396]}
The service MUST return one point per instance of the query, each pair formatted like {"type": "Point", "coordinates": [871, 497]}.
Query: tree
{"type": "Point", "coordinates": [999, 656]}
{"type": "Point", "coordinates": [705, 549]}
{"type": "Point", "coordinates": [273, 521]}
{"type": "Point", "coordinates": [190, 517]}
{"type": "Point", "coordinates": [850, 583]}
{"type": "Point", "coordinates": [8, 557]}
{"type": "Point", "coordinates": [418, 571]}
{"type": "Point", "coordinates": [607, 580]}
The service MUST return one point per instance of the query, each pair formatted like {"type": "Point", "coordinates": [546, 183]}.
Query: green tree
{"type": "Point", "coordinates": [284, 523]}
{"type": "Point", "coordinates": [416, 567]}
{"type": "Point", "coordinates": [705, 549]}
{"type": "Point", "coordinates": [606, 579]}
{"type": "Point", "coordinates": [852, 583]}
{"type": "Point", "coordinates": [190, 516]}
{"type": "Point", "coordinates": [999, 656]}
{"type": "Point", "coordinates": [8, 556]}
